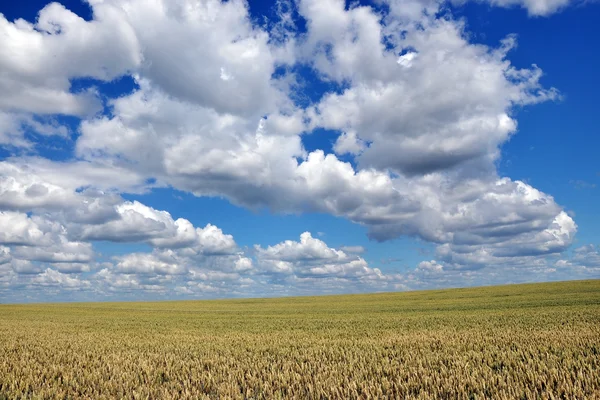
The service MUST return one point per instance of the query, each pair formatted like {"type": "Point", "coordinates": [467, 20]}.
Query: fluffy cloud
{"type": "Point", "coordinates": [308, 249]}
{"type": "Point", "coordinates": [534, 8]}
{"type": "Point", "coordinates": [230, 62]}
{"type": "Point", "coordinates": [312, 258]}
{"type": "Point", "coordinates": [110, 282]}
{"type": "Point", "coordinates": [432, 145]}
{"type": "Point", "coordinates": [430, 267]}
{"type": "Point", "coordinates": [37, 257]}
{"type": "Point", "coordinates": [587, 256]}
{"type": "Point", "coordinates": [420, 110]}
{"type": "Point", "coordinates": [51, 277]}
{"type": "Point", "coordinates": [175, 272]}
{"type": "Point", "coordinates": [136, 222]}
{"type": "Point", "coordinates": [139, 263]}
{"type": "Point", "coordinates": [38, 239]}
{"type": "Point", "coordinates": [39, 60]}
{"type": "Point", "coordinates": [306, 266]}
{"type": "Point", "coordinates": [583, 263]}
{"type": "Point", "coordinates": [449, 105]}
{"type": "Point", "coordinates": [82, 191]}
{"type": "Point", "coordinates": [410, 10]}
{"type": "Point", "coordinates": [344, 44]}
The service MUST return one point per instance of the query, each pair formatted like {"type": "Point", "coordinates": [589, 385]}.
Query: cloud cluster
{"type": "Point", "coordinates": [420, 111]}
{"type": "Point", "coordinates": [536, 8]}
{"type": "Point", "coordinates": [311, 257]}
{"type": "Point", "coordinates": [30, 239]}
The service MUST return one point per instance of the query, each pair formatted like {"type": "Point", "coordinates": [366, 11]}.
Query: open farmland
{"type": "Point", "coordinates": [520, 341]}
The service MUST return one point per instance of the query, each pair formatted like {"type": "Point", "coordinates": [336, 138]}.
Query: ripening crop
{"type": "Point", "coordinates": [539, 341]}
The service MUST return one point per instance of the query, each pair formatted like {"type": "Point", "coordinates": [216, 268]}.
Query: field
{"type": "Point", "coordinates": [518, 341]}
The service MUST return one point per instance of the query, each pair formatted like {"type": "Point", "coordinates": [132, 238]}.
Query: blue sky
{"type": "Point", "coordinates": [200, 149]}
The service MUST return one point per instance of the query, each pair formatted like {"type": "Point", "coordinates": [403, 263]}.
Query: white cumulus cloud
{"type": "Point", "coordinates": [420, 112]}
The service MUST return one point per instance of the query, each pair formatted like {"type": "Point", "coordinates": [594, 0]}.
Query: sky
{"type": "Point", "coordinates": [188, 149]}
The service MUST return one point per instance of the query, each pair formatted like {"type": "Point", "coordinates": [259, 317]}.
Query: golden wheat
{"type": "Point", "coordinates": [524, 341]}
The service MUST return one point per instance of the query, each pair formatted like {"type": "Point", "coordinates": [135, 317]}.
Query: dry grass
{"type": "Point", "coordinates": [525, 341]}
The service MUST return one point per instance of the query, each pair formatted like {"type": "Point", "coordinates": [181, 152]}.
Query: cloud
{"type": "Point", "coordinates": [72, 268]}
{"type": "Point", "coordinates": [588, 256]}
{"type": "Point", "coordinates": [349, 143]}
{"type": "Point", "coordinates": [51, 277]}
{"type": "Point", "coordinates": [39, 239]}
{"type": "Point", "coordinates": [137, 222]}
{"type": "Point", "coordinates": [82, 191]}
{"type": "Point", "coordinates": [419, 109]}
{"type": "Point", "coordinates": [220, 41]}
{"type": "Point", "coordinates": [287, 267]}
{"type": "Point", "coordinates": [308, 249]}
{"type": "Point", "coordinates": [25, 267]}
{"type": "Point", "coordinates": [584, 260]}
{"type": "Point", "coordinates": [430, 267]}
{"type": "Point", "coordinates": [353, 249]}
{"type": "Point", "coordinates": [39, 60]}
{"type": "Point", "coordinates": [450, 108]}
{"type": "Point", "coordinates": [433, 146]}
{"type": "Point", "coordinates": [312, 258]}
{"type": "Point", "coordinates": [535, 8]}
{"type": "Point", "coordinates": [110, 282]}
{"type": "Point", "coordinates": [410, 10]}
{"type": "Point", "coordinates": [161, 263]}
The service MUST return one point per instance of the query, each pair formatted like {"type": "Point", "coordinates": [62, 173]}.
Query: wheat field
{"type": "Point", "coordinates": [518, 341]}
